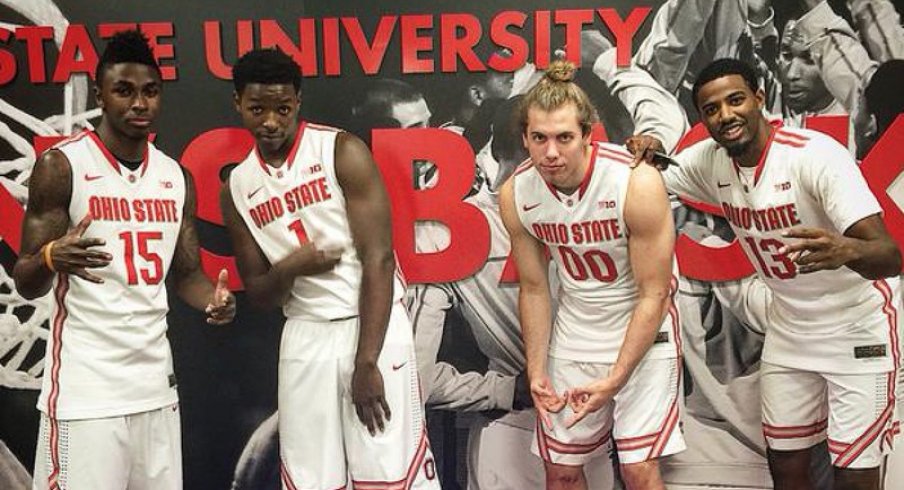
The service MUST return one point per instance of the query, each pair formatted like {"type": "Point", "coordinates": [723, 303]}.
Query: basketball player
{"type": "Point", "coordinates": [611, 364]}
{"type": "Point", "coordinates": [109, 219]}
{"type": "Point", "coordinates": [501, 423]}
{"type": "Point", "coordinates": [811, 227]}
{"type": "Point", "coordinates": [310, 223]}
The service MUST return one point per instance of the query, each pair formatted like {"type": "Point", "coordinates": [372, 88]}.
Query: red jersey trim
{"type": "Point", "coordinates": [290, 157]}
{"type": "Point", "coordinates": [114, 162]}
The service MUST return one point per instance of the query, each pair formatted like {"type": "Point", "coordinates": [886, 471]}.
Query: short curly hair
{"type": "Point", "coordinates": [722, 68]}
{"type": "Point", "coordinates": [126, 47]}
{"type": "Point", "coordinates": [269, 66]}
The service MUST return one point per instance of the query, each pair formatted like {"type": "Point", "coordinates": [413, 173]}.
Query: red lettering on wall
{"type": "Point", "coordinates": [412, 44]}
{"type": "Point", "coordinates": [395, 150]}
{"type": "Point", "coordinates": [574, 21]}
{"type": "Point", "coordinates": [34, 37]}
{"type": "Point", "coordinates": [213, 46]}
{"type": "Point", "coordinates": [7, 59]}
{"type": "Point", "coordinates": [503, 38]}
{"type": "Point", "coordinates": [77, 54]}
{"type": "Point", "coordinates": [204, 157]}
{"type": "Point", "coordinates": [881, 167]}
{"type": "Point", "coordinates": [370, 55]}
{"type": "Point", "coordinates": [623, 30]}
{"type": "Point", "coordinates": [305, 53]}
{"type": "Point", "coordinates": [332, 60]}
{"type": "Point", "coordinates": [541, 39]}
{"type": "Point", "coordinates": [836, 126]}
{"type": "Point", "coordinates": [459, 33]}
{"type": "Point", "coordinates": [163, 52]}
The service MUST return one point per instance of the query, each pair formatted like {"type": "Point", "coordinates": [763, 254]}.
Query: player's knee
{"type": "Point", "coordinates": [790, 469]}
{"type": "Point", "coordinates": [789, 460]}
{"type": "Point", "coordinates": [858, 478]}
{"type": "Point", "coordinates": [559, 476]}
{"type": "Point", "coordinates": [643, 475]}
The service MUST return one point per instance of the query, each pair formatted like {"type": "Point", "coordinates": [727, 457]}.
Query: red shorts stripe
{"type": "Point", "coordinates": [857, 447]}
{"type": "Point", "coordinates": [671, 420]}
{"type": "Point", "coordinates": [546, 443]}
{"type": "Point", "coordinates": [794, 431]}
{"type": "Point", "coordinates": [405, 483]}
{"type": "Point", "coordinates": [285, 477]}
{"type": "Point", "coordinates": [676, 318]}
{"type": "Point", "coordinates": [541, 441]}
{"type": "Point", "coordinates": [59, 320]}
{"type": "Point", "coordinates": [632, 443]}
{"type": "Point", "coordinates": [565, 448]}
{"type": "Point", "coordinates": [891, 313]}
{"type": "Point", "coordinates": [836, 447]}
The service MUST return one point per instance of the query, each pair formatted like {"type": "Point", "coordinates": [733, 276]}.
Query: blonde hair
{"type": "Point", "coordinates": [557, 89]}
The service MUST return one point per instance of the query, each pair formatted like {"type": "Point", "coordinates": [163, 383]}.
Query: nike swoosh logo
{"type": "Point", "coordinates": [396, 367]}
{"type": "Point", "coordinates": [252, 193]}
{"type": "Point", "coordinates": [721, 185]}
{"type": "Point", "coordinates": [528, 208]}
{"type": "Point", "coordinates": [89, 178]}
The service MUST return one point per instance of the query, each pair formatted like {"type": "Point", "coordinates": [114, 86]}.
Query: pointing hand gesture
{"type": "Point", "coordinates": [221, 309]}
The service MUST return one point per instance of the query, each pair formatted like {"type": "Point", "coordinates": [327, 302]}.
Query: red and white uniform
{"type": "Point", "coordinates": [832, 322]}
{"type": "Point", "coordinates": [587, 237]}
{"type": "Point", "coordinates": [804, 178]}
{"type": "Point", "coordinates": [108, 355]}
{"type": "Point", "coordinates": [321, 439]}
{"type": "Point", "coordinates": [297, 203]}
{"type": "Point", "coordinates": [498, 448]}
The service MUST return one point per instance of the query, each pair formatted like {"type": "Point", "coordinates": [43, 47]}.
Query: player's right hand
{"type": "Point", "coordinates": [369, 397]}
{"type": "Point", "coordinates": [546, 399]}
{"type": "Point", "coordinates": [72, 253]}
{"type": "Point", "coordinates": [308, 260]}
{"type": "Point", "coordinates": [644, 148]}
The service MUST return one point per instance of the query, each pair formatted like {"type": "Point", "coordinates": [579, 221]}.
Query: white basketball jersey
{"type": "Point", "coordinates": [586, 235]}
{"type": "Point", "coordinates": [107, 354]}
{"type": "Point", "coordinates": [297, 203]}
{"type": "Point", "coordinates": [831, 321]}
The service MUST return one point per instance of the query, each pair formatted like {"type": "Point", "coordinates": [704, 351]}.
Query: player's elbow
{"type": "Point", "coordinates": [890, 266]}
{"type": "Point", "coordinates": [27, 292]}
{"type": "Point", "coordinates": [379, 261]}
{"type": "Point", "coordinates": [26, 287]}
{"type": "Point", "coordinates": [262, 300]}
{"type": "Point", "coordinates": [661, 296]}
{"type": "Point", "coordinates": [262, 296]}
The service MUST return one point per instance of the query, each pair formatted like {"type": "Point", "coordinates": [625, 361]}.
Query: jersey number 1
{"type": "Point", "coordinates": [300, 232]}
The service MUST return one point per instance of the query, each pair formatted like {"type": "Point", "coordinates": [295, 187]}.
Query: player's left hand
{"type": "Point", "coordinates": [590, 398]}
{"type": "Point", "coordinates": [368, 397]}
{"type": "Point", "coordinates": [818, 249]}
{"type": "Point", "coordinates": [221, 309]}
{"type": "Point", "coordinates": [644, 148]}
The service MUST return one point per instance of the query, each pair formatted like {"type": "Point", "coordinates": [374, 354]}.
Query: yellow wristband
{"type": "Point", "coordinates": [48, 258]}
